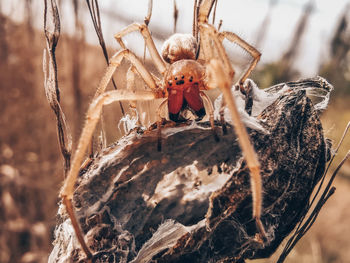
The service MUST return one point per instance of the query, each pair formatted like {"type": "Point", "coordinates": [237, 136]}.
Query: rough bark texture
{"type": "Point", "coordinates": [192, 202]}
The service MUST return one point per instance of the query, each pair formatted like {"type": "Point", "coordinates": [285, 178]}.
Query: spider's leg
{"type": "Point", "coordinates": [115, 61]}
{"type": "Point", "coordinates": [92, 118]}
{"type": "Point", "coordinates": [222, 117]}
{"type": "Point", "coordinates": [130, 84]}
{"type": "Point", "coordinates": [204, 10]}
{"type": "Point", "coordinates": [220, 74]}
{"type": "Point", "coordinates": [211, 114]}
{"type": "Point", "coordinates": [159, 124]}
{"type": "Point", "coordinates": [209, 40]}
{"type": "Point", "coordinates": [212, 47]}
{"type": "Point", "coordinates": [249, 48]}
{"type": "Point", "coordinates": [160, 64]}
{"type": "Point", "coordinates": [219, 77]}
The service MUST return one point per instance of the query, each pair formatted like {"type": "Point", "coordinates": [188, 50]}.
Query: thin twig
{"type": "Point", "coordinates": [52, 34]}
{"type": "Point", "coordinates": [77, 43]}
{"type": "Point", "coordinates": [214, 13]}
{"type": "Point", "coordinates": [176, 15]}
{"type": "Point", "coordinates": [149, 12]}
{"type": "Point", "coordinates": [96, 20]}
{"type": "Point", "coordinates": [194, 22]}
{"type": "Point", "coordinates": [323, 177]}
{"type": "Point", "coordinates": [146, 21]}
{"type": "Point", "coordinates": [305, 224]}
{"type": "Point", "coordinates": [330, 162]}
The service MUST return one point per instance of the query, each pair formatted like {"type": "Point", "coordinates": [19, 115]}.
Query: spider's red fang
{"type": "Point", "coordinates": [175, 100]}
{"type": "Point", "coordinates": [181, 93]}
{"type": "Point", "coordinates": [194, 100]}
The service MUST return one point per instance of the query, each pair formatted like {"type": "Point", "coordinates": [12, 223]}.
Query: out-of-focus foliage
{"type": "Point", "coordinates": [31, 168]}
{"type": "Point", "coordinates": [282, 70]}
{"type": "Point", "coordinates": [337, 68]}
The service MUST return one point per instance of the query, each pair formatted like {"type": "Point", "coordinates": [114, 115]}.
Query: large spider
{"type": "Point", "coordinates": [183, 80]}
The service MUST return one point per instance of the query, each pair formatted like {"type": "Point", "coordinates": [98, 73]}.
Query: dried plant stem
{"type": "Point", "coordinates": [52, 33]}
{"type": "Point", "coordinates": [77, 45]}
{"type": "Point", "coordinates": [330, 163]}
{"type": "Point", "coordinates": [329, 190]}
{"type": "Point", "coordinates": [214, 13]}
{"type": "Point", "coordinates": [176, 15]}
{"type": "Point", "coordinates": [95, 16]}
{"type": "Point", "coordinates": [146, 21]}
{"type": "Point", "coordinates": [149, 12]}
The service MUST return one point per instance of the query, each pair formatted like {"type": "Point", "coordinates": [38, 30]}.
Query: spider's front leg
{"type": "Point", "coordinates": [220, 74]}
{"type": "Point", "coordinates": [246, 90]}
{"type": "Point", "coordinates": [143, 29]}
{"type": "Point", "coordinates": [218, 77]}
{"type": "Point", "coordinates": [93, 116]}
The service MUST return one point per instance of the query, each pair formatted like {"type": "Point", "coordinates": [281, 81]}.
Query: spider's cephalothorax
{"type": "Point", "coordinates": [184, 78]}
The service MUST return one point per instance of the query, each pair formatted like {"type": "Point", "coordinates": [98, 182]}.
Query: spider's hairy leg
{"type": "Point", "coordinates": [232, 37]}
{"type": "Point", "coordinates": [92, 118]}
{"type": "Point", "coordinates": [221, 74]}
{"type": "Point", "coordinates": [159, 124]}
{"type": "Point", "coordinates": [222, 117]}
{"type": "Point", "coordinates": [115, 61]}
{"type": "Point", "coordinates": [218, 77]}
{"type": "Point", "coordinates": [212, 47]}
{"type": "Point", "coordinates": [211, 114]}
{"type": "Point", "coordinates": [130, 84]}
{"type": "Point", "coordinates": [204, 10]}
{"type": "Point", "coordinates": [209, 40]}
{"type": "Point", "coordinates": [160, 64]}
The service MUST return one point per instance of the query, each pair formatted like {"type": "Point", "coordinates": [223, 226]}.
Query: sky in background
{"type": "Point", "coordinates": [244, 17]}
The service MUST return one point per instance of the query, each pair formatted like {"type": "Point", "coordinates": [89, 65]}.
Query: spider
{"type": "Point", "coordinates": [184, 78]}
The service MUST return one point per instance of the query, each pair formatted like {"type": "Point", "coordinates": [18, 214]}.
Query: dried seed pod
{"type": "Point", "coordinates": [192, 202]}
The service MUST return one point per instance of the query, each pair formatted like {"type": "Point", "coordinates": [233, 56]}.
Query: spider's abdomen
{"type": "Point", "coordinates": [183, 81]}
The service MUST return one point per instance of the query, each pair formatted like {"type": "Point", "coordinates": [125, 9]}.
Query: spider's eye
{"type": "Point", "coordinates": [182, 77]}
{"type": "Point", "coordinates": [191, 78]}
{"type": "Point", "coordinates": [175, 78]}
{"type": "Point", "coordinates": [170, 83]}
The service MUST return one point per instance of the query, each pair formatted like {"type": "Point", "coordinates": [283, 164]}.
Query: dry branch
{"type": "Point", "coordinates": [52, 34]}
{"type": "Point", "coordinates": [192, 201]}
{"type": "Point", "coordinates": [96, 20]}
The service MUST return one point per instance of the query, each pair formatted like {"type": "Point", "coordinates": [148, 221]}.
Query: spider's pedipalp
{"type": "Point", "coordinates": [179, 46]}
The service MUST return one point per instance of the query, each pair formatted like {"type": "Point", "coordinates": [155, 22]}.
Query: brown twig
{"type": "Point", "coordinates": [175, 15]}
{"type": "Point", "coordinates": [77, 45]}
{"type": "Point", "coordinates": [146, 21]}
{"type": "Point", "coordinates": [96, 20]}
{"type": "Point", "coordinates": [329, 190]}
{"type": "Point", "coordinates": [214, 13]}
{"type": "Point", "coordinates": [52, 34]}
{"type": "Point", "coordinates": [149, 12]}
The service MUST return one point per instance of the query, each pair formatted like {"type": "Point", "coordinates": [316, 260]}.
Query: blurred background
{"type": "Point", "coordinates": [297, 39]}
